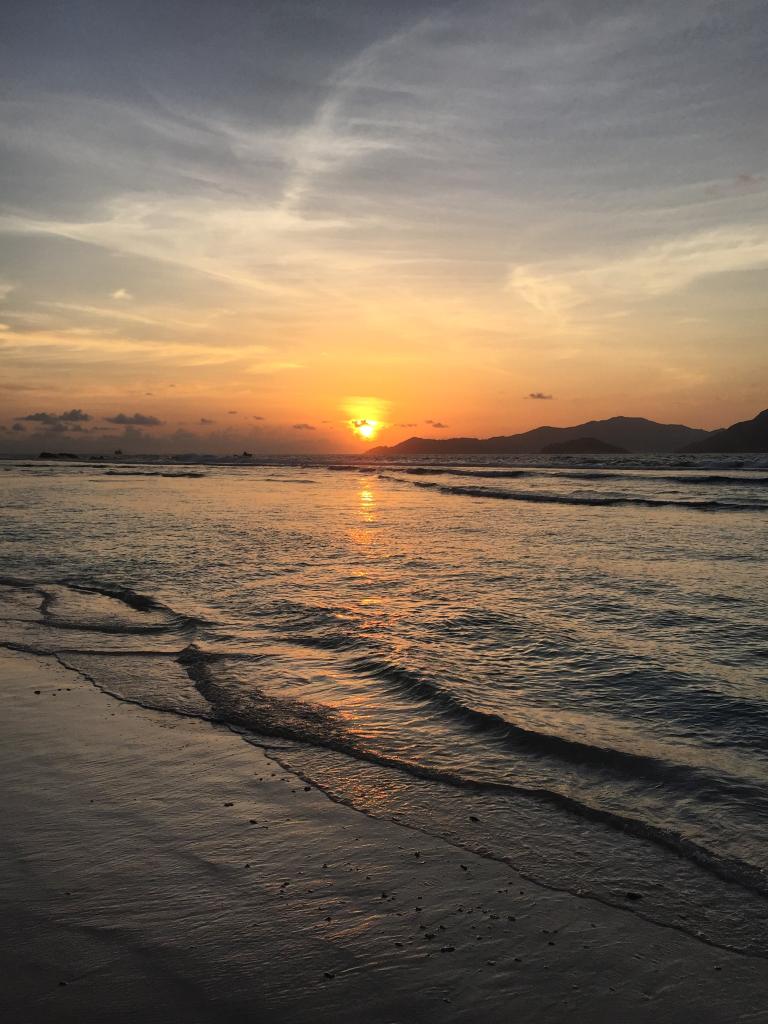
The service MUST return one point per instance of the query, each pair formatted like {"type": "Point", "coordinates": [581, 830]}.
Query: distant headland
{"type": "Point", "coordinates": [617, 434]}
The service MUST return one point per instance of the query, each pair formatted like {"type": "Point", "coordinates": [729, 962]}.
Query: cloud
{"type": "Point", "coordinates": [303, 426]}
{"type": "Point", "coordinates": [204, 422]}
{"type": "Point", "coordinates": [436, 424]}
{"type": "Point", "coordinates": [47, 418]}
{"type": "Point", "coordinates": [19, 428]}
{"type": "Point", "coordinates": [407, 168]}
{"type": "Point", "coordinates": [257, 417]}
{"type": "Point", "coordinates": [558, 289]}
{"type": "Point", "coordinates": [138, 419]}
{"type": "Point", "coordinates": [545, 292]}
{"type": "Point", "coordinates": [407, 425]}
{"type": "Point", "coordinates": [539, 395]}
{"type": "Point", "coordinates": [54, 419]}
{"type": "Point", "coordinates": [232, 412]}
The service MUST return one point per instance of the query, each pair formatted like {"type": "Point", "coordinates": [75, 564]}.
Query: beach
{"type": "Point", "coordinates": [384, 513]}
{"type": "Point", "coordinates": [159, 868]}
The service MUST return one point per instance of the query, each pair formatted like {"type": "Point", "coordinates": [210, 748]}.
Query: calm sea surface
{"type": "Point", "coordinates": [562, 665]}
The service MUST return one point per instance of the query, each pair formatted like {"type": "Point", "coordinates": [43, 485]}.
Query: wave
{"type": "Point", "coordinates": [252, 709]}
{"type": "Point", "coordinates": [501, 474]}
{"type": "Point", "coordinates": [406, 681]}
{"type": "Point", "coordinates": [296, 720]}
{"type": "Point", "coordinates": [711, 479]}
{"type": "Point", "coordinates": [139, 602]}
{"type": "Point", "coordinates": [576, 499]}
{"type": "Point", "coordinates": [164, 619]}
{"type": "Point", "coordinates": [151, 472]}
{"type": "Point", "coordinates": [289, 480]}
{"type": "Point", "coordinates": [538, 743]}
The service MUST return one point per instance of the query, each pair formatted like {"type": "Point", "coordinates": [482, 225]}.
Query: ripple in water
{"type": "Point", "coordinates": [572, 681]}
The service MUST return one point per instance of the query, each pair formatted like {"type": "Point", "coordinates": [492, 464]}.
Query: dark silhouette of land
{"type": "Point", "coordinates": [746, 436]}
{"type": "Point", "coordinates": [624, 432]}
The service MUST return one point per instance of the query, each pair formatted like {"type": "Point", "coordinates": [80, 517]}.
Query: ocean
{"type": "Point", "coordinates": [559, 663]}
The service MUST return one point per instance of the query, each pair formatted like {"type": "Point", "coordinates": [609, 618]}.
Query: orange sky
{"type": "Point", "coordinates": [415, 216]}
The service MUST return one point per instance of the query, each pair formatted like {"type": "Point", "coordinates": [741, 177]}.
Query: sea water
{"type": "Point", "coordinates": [560, 663]}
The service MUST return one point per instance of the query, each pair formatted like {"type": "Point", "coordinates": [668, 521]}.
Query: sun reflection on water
{"type": "Point", "coordinates": [367, 505]}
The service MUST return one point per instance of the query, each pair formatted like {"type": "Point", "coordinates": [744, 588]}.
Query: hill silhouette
{"type": "Point", "coordinates": [745, 436]}
{"type": "Point", "coordinates": [632, 433]}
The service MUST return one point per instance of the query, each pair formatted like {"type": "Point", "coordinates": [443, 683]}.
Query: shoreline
{"type": "Point", "coordinates": [159, 868]}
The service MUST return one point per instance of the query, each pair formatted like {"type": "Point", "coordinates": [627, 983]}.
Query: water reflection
{"type": "Point", "coordinates": [367, 505]}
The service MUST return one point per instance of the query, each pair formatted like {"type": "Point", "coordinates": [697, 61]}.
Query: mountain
{"type": "Point", "coordinates": [583, 446]}
{"type": "Point", "coordinates": [632, 433]}
{"type": "Point", "coordinates": [746, 436]}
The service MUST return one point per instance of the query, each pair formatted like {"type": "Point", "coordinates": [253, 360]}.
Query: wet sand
{"type": "Point", "coordinates": [160, 869]}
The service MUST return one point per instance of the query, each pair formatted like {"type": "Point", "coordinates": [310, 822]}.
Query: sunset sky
{"type": "Point", "coordinates": [231, 224]}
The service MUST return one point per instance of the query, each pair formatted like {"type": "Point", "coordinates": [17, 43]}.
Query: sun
{"type": "Point", "coordinates": [365, 428]}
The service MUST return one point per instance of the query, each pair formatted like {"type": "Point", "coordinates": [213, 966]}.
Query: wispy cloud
{"type": "Point", "coordinates": [378, 190]}
{"type": "Point", "coordinates": [556, 289]}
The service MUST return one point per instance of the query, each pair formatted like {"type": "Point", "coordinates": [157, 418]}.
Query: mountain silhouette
{"type": "Point", "coordinates": [632, 433]}
{"type": "Point", "coordinates": [745, 436]}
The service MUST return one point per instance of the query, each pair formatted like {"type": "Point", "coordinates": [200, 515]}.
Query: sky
{"type": "Point", "coordinates": [253, 225]}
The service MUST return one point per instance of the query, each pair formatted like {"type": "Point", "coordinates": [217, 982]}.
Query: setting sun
{"type": "Point", "coordinates": [367, 429]}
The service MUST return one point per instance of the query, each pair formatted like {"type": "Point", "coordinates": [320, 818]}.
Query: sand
{"type": "Point", "coordinates": [160, 869]}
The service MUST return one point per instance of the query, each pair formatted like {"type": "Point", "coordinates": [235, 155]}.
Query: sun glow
{"type": "Point", "coordinates": [365, 428]}
{"type": "Point", "coordinates": [366, 416]}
